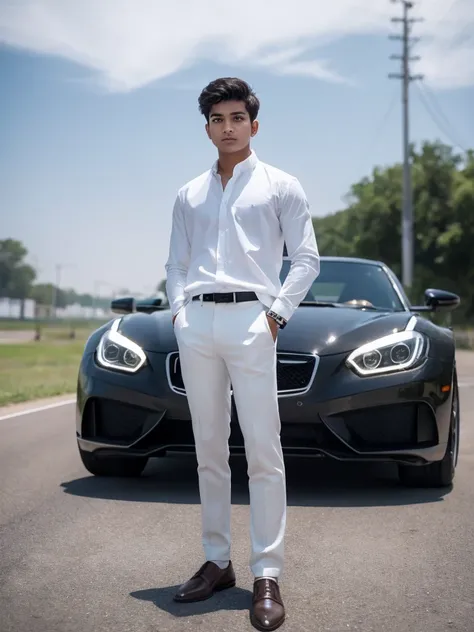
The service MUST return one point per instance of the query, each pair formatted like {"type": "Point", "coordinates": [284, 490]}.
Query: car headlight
{"type": "Point", "coordinates": [395, 352]}
{"type": "Point", "coordinates": [116, 351]}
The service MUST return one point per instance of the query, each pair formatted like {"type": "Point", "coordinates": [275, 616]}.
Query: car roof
{"type": "Point", "coordinates": [347, 260]}
{"type": "Point", "coordinates": [353, 260]}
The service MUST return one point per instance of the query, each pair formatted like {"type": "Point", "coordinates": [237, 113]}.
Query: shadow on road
{"type": "Point", "coordinates": [233, 599]}
{"type": "Point", "coordinates": [310, 483]}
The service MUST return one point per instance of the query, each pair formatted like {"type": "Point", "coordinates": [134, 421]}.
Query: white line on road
{"type": "Point", "coordinates": [38, 409]}
{"type": "Point", "coordinates": [466, 384]}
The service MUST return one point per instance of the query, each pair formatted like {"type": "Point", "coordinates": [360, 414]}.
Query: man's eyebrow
{"type": "Point", "coordinates": [232, 113]}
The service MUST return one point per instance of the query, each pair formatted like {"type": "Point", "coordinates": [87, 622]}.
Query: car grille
{"type": "Point", "coordinates": [173, 370]}
{"type": "Point", "coordinates": [295, 373]}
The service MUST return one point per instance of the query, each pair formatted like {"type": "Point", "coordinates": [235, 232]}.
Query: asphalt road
{"type": "Point", "coordinates": [79, 554]}
{"type": "Point", "coordinates": [9, 336]}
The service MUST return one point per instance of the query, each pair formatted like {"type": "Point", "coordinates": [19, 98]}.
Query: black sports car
{"type": "Point", "coordinates": [361, 376]}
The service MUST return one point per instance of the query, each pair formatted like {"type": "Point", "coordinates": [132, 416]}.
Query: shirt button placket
{"type": "Point", "coordinates": [221, 232]}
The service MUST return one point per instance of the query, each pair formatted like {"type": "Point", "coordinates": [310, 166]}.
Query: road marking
{"type": "Point", "coordinates": [28, 411]}
{"type": "Point", "coordinates": [466, 384]}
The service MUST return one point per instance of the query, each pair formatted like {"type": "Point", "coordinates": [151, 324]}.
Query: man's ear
{"type": "Point", "coordinates": [255, 126]}
{"type": "Point", "coordinates": [207, 130]}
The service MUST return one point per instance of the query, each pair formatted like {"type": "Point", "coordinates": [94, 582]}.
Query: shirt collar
{"type": "Point", "coordinates": [246, 165]}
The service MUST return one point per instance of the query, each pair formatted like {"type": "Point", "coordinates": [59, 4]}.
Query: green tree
{"type": "Point", "coordinates": [43, 294]}
{"type": "Point", "coordinates": [161, 287]}
{"type": "Point", "coordinates": [443, 199]}
{"type": "Point", "coordinates": [16, 276]}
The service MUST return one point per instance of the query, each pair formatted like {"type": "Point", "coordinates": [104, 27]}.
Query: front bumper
{"type": "Point", "coordinates": [400, 417]}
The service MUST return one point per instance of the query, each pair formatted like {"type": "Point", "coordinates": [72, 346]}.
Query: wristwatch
{"type": "Point", "coordinates": [281, 322]}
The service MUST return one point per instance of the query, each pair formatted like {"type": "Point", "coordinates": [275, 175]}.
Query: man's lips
{"type": "Point", "coordinates": [226, 140]}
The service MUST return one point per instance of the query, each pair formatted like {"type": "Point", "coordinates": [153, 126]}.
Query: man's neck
{"type": "Point", "coordinates": [227, 162]}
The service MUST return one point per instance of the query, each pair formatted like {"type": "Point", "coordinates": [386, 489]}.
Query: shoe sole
{"type": "Point", "coordinates": [230, 584]}
{"type": "Point", "coordinates": [265, 627]}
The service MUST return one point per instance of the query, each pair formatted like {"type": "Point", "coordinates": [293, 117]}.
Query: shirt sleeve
{"type": "Point", "coordinates": [298, 233]}
{"type": "Point", "coordinates": [178, 259]}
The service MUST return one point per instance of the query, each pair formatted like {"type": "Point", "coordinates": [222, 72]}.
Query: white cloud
{"type": "Point", "coordinates": [130, 43]}
{"type": "Point", "coordinates": [286, 62]}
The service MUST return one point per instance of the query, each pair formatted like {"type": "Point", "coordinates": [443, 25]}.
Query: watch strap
{"type": "Point", "coordinates": [281, 322]}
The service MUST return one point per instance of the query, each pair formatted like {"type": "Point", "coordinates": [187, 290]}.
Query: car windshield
{"type": "Point", "coordinates": [351, 283]}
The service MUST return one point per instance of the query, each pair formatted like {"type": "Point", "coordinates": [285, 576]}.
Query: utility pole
{"type": "Point", "coordinates": [56, 286]}
{"type": "Point", "coordinates": [55, 289]}
{"type": "Point", "coordinates": [407, 212]}
{"type": "Point", "coordinates": [95, 296]}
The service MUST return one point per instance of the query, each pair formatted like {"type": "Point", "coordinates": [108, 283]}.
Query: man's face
{"type": "Point", "coordinates": [229, 127]}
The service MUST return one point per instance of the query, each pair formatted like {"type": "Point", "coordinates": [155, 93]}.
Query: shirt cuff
{"type": "Point", "coordinates": [282, 308]}
{"type": "Point", "coordinates": [178, 305]}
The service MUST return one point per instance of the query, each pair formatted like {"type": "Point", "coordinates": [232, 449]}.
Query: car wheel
{"type": "Point", "coordinates": [441, 473]}
{"type": "Point", "coordinates": [113, 465]}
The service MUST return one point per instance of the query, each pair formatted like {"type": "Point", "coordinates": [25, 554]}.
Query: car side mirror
{"type": "Point", "coordinates": [124, 305]}
{"type": "Point", "coordinates": [149, 305]}
{"type": "Point", "coordinates": [439, 301]}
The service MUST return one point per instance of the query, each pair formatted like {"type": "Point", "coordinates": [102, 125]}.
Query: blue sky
{"type": "Point", "coordinates": [95, 144]}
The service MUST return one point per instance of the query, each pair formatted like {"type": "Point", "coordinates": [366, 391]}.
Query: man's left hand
{"type": "Point", "coordinates": [273, 327]}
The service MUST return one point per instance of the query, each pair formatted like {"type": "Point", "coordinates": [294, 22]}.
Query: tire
{"type": "Point", "coordinates": [121, 466]}
{"type": "Point", "coordinates": [441, 473]}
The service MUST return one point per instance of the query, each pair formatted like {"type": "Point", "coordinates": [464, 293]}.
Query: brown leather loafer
{"type": "Point", "coordinates": [268, 611]}
{"type": "Point", "coordinates": [208, 580]}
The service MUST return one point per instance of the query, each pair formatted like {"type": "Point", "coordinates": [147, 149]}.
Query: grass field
{"type": "Point", "coordinates": [14, 324]}
{"type": "Point", "coordinates": [44, 368]}
{"type": "Point", "coordinates": [33, 370]}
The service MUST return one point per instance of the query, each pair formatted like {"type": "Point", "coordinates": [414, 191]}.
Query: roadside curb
{"type": "Point", "coordinates": [12, 410]}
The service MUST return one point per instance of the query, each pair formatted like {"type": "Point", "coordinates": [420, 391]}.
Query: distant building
{"type": "Point", "coordinates": [12, 308]}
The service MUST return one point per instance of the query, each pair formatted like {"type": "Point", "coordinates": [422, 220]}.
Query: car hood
{"type": "Point", "coordinates": [331, 330]}
{"type": "Point", "coordinates": [321, 330]}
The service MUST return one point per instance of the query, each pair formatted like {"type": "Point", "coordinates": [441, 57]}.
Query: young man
{"type": "Point", "coordinates": [229, 228]}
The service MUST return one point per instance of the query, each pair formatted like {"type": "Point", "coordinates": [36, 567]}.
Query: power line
{"type": "Point", "coordinates": [407, 78]}
{"type": "Point", "coordinates": [380, 127]}
{"type": "Point", "coordinates": [433, 108]}
{"type": "Point", "coordinates": [446, 12]}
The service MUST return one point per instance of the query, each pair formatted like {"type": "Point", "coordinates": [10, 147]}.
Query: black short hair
{"type": "Point", "coordinates": [228, 89]}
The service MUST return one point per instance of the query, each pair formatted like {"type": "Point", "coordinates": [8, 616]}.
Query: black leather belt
{"type": "Point", "coordinates": [227, 297]}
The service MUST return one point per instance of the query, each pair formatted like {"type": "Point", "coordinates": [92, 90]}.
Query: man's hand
{"type": "Point", "coordinates": [273, 327]}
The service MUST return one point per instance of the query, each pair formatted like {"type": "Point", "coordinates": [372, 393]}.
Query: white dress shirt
{"type": "Point", "coordinates": [232, 239]}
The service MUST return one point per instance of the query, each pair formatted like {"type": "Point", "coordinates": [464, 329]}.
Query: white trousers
{"type": "Point", "coordinates": [221, 346]}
